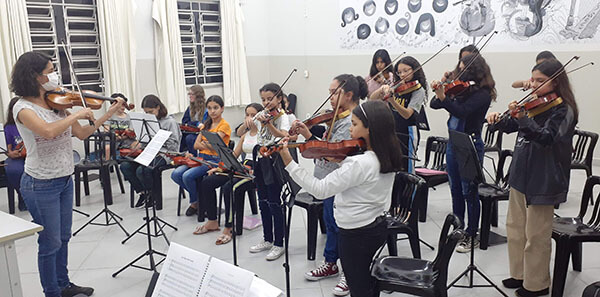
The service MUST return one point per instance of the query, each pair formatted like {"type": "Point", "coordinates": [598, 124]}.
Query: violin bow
{"type": "Point", "coordinates": [421, 66]}
{"type": "Point", "coordinates": [476, 55]}
{"type": "Point", "coordinates": [387, 66]}
{"type": "Point", "coordinates": [337, 109]}
{"type": "Point", "coordinates": [74, 76]}
{"type": "Point", "coordinates": [285, 82]}
{"type": "Point", "coordinates": [583, 66]}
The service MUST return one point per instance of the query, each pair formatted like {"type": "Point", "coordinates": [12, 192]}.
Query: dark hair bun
{"type": "Point", "coordinates": [363, 88]}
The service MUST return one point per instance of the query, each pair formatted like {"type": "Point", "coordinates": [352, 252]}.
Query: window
{"type": "Point", "coordinates": [200, 27]}
{"type": "Point", "coordinates": [73, 21]}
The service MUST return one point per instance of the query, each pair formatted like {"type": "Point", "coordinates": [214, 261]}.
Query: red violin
{"type": "Point", "coordinates": [456, 87]}
{"type": "Point", "coordinates": [22, 150]}
{"type": "Point", "coordinates": [125, 133]}
{"type": "Point", "coordinates": [537, 105]}
{"type": "Point", "coordinates": [127, 152]}
{"type": "Point", "coordinates": [189, 129]}
{"type": "Point", "coordinates": [316, 149]}
{"type": "Point", "coordinates": [404, 88]}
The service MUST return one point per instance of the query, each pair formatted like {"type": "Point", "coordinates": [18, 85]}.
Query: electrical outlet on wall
{"type": "Point", "coordinates": [305, 73]}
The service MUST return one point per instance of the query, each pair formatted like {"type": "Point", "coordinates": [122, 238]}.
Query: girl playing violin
{"type": "Point", "coordinates": [465, 51]}
{"type": "Point", "coordinates": [407, 104]}
{"type": "Point", "coordinates": [348, 98]}
{"type": "Point", "coordinates": [362, 186]}
{"type": "Point", "coordinates": [194, 115]}
{"type": "Point", "coordinates": [271, 125]}
{"type": "Point", "coordinates": [139, 176]}
{"type": "Point", "coordinates": [15, 161]}
{"type": "Point", "coordinates": [381, 59]}
{"type": "Point", "coordinates": [211, 182]}
{"type": "Point", "coordinates": [467, 112]}
{"type": "Point", "coordinates": [541, 57]}
{"type": "Point", "coordinates": [188, 177]}
{"type": "Point", "coordinates": [121, 125]}
{"type": "Point", "coordinates": [539, 178]}
{"type": "Point", "coordinates": [46, 185]}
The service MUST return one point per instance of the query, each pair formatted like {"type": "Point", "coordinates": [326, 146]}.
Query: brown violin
{"type": "Point", "coordinates": [20, 147]}
{"type": "Point", "coordinates": [404, 88]}
{"type": "Point", "coordinates": [128, 152]}
{"type": "Point", "coordinates": [537, 105]}
{"type": "Point", "coordinates": [65, 99]}
{"type": "Point", "coordinates": [189, 129]}
{"type": "Point", "coordinates": [319, 119]}
{"type": "Point", "coordinates": [125, 133]}
{"type": "Point", "coordinates": [316, 149]}
{"type": "Point", "coordinates": [457, 87]}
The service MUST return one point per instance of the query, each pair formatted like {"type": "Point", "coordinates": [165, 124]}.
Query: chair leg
{"type": "Point", "coordinates": [576, 253]}
{"type": "Point", "coordinates": [219, 208]}
{"type": "Point", "coordinates": [391, 240]}
{"type": "Point", "coordinates": [253, 201]}
{"type": "Point", "coordinates": [494, 216]}
{"type": "Point", "coordinates": [561, 264]}
{"type": "Point", "coordinates": [119, 178]}
{"type": "Point", "coordinates": [86, 183]}
{"type": "Point", "coordinates": [311, 236]}
{"type": "Point", "coordinates": [11, 200]}
{"type": "Point", "coordinates": [423, 197]}
{"type": "Point", "coordinates": [77, 188]}
{"type": "Point", "coordinates": [180, 196]}
{"type": "Point", "coordinates": [131, 196]}
{"type": "Point", "coordinates": [415, 245]}
{"type": "Point", "coordinates": [322, 221]}
{"type": "Point", "coordinates": [484, 236]}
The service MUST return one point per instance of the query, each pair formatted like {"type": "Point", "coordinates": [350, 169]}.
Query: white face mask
{"type": "Point", "coordinates": [52, 83]}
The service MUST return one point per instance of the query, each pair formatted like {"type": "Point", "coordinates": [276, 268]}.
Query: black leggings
{"type": "Point", "coordinates": [209, 196]}
{"type": "Point", "coordinates": [357, 248]}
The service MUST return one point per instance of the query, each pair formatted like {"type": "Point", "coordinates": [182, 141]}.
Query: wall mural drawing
{"type": "Point", "coordinates": [396, 24]}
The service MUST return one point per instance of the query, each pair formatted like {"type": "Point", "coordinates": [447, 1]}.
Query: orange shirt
{"type": "Point", "coordinates": [224, 127]}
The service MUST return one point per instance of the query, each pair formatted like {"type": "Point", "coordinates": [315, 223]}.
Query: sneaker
{"type": "Point", "coordinates": [512, 283]}
{"type": "Point", "coordinates": [141, 201]}
{"type": "Point", "coordinates": [341, 289]}
{"type": "Point", "coordinates": [275, 253]}
{"type": "Point", "coordinates": [261, 246]}
{"type": "Point", "coordinates": [324, 271]}
{"type": "Point", "coordinates": [465, 246]}
{"type": "Point", "coordinates": [522, 292]}
{"type": "Point", "coordinates": [73, 290]}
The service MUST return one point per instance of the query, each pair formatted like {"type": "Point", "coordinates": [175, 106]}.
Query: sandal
{"type": "Point", "coordinates": [223, 239]}
{"type": "Point", "coordinates": [202, 229]}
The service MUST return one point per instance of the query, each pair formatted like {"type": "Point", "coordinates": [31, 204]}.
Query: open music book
{"type": "Point", "coordinates": [190, 273]}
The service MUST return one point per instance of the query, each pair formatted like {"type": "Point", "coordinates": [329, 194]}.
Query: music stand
{"type": "Point", "coordinates": [233, 168]}
{"type": "Point", "coordinates": [470, 169]}
{"type": "Point", "coordinates": [144, 125]}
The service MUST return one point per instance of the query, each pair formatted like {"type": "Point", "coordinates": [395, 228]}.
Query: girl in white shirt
{"type": "Point", "coordinates": [362, 186]}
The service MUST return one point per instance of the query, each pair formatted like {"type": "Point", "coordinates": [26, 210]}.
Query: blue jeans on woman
{"type": "Point", "coordinates": [50, 202]}
{"type": "Point", "coordinates": [188, 178]}
{"type": "Point", "coordinates": [331, 252]}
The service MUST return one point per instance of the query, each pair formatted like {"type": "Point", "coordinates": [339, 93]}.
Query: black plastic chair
{"type": "Point", "coordinates": [403, 218]}
{"type": "Point", "coordinates": [584, 143]}
{"type": "Point", "coordinates": [571, 233]}
{"type": "Point", "coordinates": [9, 190]}
{"type": "Point", "coordinates": [103, 166]}
{"type": "Point", "coordinates": [490, 194]}
{"type": "Point", "coordinates": [314, 212]}
{"type": "Point", "coordinates": [492, 139]}
{"type": "Point", "coordinates": [239, 218]}
{"type": "Point", "coordinates": [435, 159]}
{"type": "Point", "coordinates": [416, 276]}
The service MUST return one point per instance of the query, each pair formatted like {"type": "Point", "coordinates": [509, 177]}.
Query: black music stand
{"type": "Point", "coordinates": [470, 169]}
{"type": "Point", "coordinates": [233, 168]}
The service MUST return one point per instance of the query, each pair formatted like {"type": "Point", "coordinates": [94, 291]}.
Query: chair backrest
{"type": "Point", "coordinates": [100, 139]}
{"type": "Point", "coordinates": [404, 207]}
{"type": "Point", "coordinates": [584, 143]}
{"type": "Point", "coordinates": [448, 240]}
{"type": "Point", "coordinates": [502, 170]}
{"type": "Point", "coordinates": [435, 151]}
{"type": "Point", "coordinates": [492, 138]}
{"type": "Point", "coordinates": [588, 193]}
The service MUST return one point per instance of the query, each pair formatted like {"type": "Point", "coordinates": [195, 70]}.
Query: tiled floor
{"type": "Point", "coordinates": [97, 252]}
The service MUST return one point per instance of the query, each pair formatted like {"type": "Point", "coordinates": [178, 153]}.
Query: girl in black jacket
{"type": "Point", "coordinates": [539, 178]}
{"type": "Point", "coordinates": [467, 112]}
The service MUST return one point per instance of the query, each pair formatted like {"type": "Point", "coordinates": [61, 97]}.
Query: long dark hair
{"type": "Point", "coordinates": [385, 144]}
{"type": "Point", "coordinates": [254, 105]}
{"type": "Point", "coordinates": [152, 101]}
{"type": "Point", "coordinates": [216, 99]}
{"type": "Point", "coordinates": [355, 84]}
{"type": "Point", "coordinates": [544, 55]}
{"type": "Point", "coordinates": [418, 75]}
{"type": "Point", "coordinates": [118, 95]}
{"type": "Point", "coordinates": [273, 88]}
{"type": "Point", "coordinates": [479, 72]}
{"type": "Point", "coordinates": [385, 57]}
{"type": "Point", "coordinates": [23, 81]}
{"type": "Point", "coordinates": [562, 86]}
{"type": "Point", "coordinates": [10, 119]}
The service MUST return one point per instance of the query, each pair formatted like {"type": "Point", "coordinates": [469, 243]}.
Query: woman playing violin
{"type": "Point", "coordinates": [467, 112]}
{"type": "Point", "coordinates": [407, 99]}
{"type": "Point", "coordinates": [381, 60]}
{"type": "Point", "coordinates": [348, 98]}
{"type": "Point", "coordinates": [194, 115]}
{"type": "Point", "coordinates": [46, 185]}
{"type": "Point", "coordinates": [539, 178]}
{"type": "Point", "coordinates": [362, 186]}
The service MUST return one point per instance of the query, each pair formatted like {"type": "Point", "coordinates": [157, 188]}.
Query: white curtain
{"type": "Point", "coordinates": [14, 41]}
{"type": "Point", "coordinates": [117, 38]}
{"type": "Point", "coordinates": [168, 55]}
{"type": "Point", "coordinates": [236, 85]}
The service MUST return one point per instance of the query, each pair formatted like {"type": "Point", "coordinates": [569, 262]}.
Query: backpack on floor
{"type": "Point", "coordinates": [592, 290]}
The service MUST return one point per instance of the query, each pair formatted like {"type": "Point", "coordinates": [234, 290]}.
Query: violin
{"type": "Point", "coordinates": [125, 133]}
{"type": "Point", "coordinates": [20, 147]}
{"type": "Point", "coordinates": [316, 149]}
{"type": "Point", "coordinates": [189, 129]}
{"type": "Point", "coordinates": [271, 115]}
{"type": "Point", "coordinates": [457, 87]}
{"type": "Point", "coordinates": [537, 105]}
{"type": "Point", "coordinates": [319, 119]}
{"type": "Point", "coordinates": [404, 88]}
{"type": "Point", "coordinates": [127, 152]}
{"type": "Point", "coordinates": [65, 99]}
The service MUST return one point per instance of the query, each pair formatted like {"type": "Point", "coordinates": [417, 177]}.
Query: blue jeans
{"type": "Point", "coordinates": [139, 176]}
{"type": "Point", "coordinates": [190, 139]}
{"type": "Point", "coordinates": [271, 211]}
{"type": "Point", "coordinates": [50, 202]}
{"type": "Point", "coordinates": [331, 243]}
{"type": "Point", "coordinates": [188, 177]}
{"type": "Point", "coordinates": [464, 191]}
{"type": "Point", "coordinates": [14, 171]}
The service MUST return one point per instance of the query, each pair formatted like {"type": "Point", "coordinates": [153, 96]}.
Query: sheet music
{"type": "Point", "coordinates": [225, 280]}
{"type": "Point", "coordinates": [137, 123]}
{"type": "Point", "coordinates": [260, 288]}
{"type": "Point", "coordinates": [181, 273]}
{"type": "Point", "coordinates": [3, 146]}
{"type": "Point", "coordinates": [149, 153]}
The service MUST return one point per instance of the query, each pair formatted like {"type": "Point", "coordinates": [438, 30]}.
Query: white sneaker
{"type": "Point", "coordinates": [341, 289]}
{"type": "Point", "coordinates": [261, 246]}
{"type": "Point", "coordinates": [275, 253]}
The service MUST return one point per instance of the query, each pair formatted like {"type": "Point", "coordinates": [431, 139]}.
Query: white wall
{"type": "Point", "coordinates": [282, 35]}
